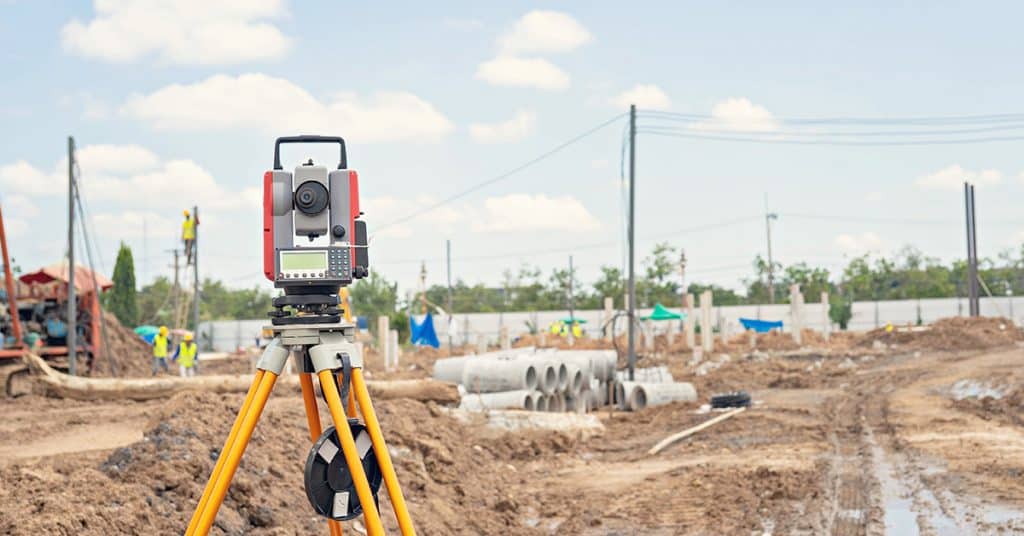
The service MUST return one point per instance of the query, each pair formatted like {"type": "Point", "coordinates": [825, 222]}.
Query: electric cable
{"type": "Point", "coordinates": [535, 160]}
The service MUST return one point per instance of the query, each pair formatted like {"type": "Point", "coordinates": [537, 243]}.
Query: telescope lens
{"type": "Point", "coordinates": [311, 198]}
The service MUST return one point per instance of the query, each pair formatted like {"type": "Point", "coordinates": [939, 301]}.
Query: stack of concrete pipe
{"type": "Point", "coordinates": [531, 379]}
{"type": "Point", "coordinates": [652, 386]}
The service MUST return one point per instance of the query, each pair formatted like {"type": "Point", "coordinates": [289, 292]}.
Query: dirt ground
{"type": "Point", "coordinates": [905, 435]}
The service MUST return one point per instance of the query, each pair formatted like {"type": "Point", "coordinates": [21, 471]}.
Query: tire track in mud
{"type": "Point", "coordinates": [849, 481]}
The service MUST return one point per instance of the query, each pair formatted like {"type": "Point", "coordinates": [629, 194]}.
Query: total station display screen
{"type": "Point", "coordinates": [303, 260]}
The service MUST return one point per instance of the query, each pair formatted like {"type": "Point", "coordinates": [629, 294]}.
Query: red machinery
{"type": "Point", "coordinates": [44, 292]}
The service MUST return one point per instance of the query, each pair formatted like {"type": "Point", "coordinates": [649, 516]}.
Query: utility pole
{"type": "Point", "coordinates": [682, 284]}
{"type": "Point", "coordinates": [572, 316]}
{"type": "Point", "coordinates": [972, 252]}
{"type": "Point", "coordinates": [176, 291]}
{"type": "Point", "coordinates": [195, 276]}
{"type": "Point", "coordinates": [451, 316]}
{"type": "Point", "coordinates": [631, 291]}
{"type": "Point", "coordinates": [72, 339]}
{"type": "Point", "coordinates": [768, 217]}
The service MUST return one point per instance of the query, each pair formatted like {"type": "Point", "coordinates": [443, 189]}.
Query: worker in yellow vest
{"type": "Point", "coordinates": [188, 235]}
{"type": "Point", "coordinates": [185, 355]}
{"type": "Point", "coordinates": [160, 350]}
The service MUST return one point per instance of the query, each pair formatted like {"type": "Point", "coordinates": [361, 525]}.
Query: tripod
{"type": "Point", "coordinates": [337, 486]}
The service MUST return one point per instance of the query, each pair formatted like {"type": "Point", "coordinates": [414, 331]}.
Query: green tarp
{"type": "Point", "coordinates": [661, 313]}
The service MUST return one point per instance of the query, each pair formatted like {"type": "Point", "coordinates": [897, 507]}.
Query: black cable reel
{"type": "Point", "coordinates": [328, 481]}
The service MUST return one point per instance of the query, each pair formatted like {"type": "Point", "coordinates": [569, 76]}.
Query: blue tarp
{"type": "Point", "coordinates": [423, 333]}
{"type": "Point", "coordinates": [760, 326]}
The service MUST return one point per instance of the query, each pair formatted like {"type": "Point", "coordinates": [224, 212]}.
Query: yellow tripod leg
{"type": "Point", "coordinates": [374, 527]}
{"type": "Point", "coordinates": [220, 487]}
{"type": "Point", "coordinates": [223, 453]}
{"type": "Point", "coordinates": [380, 449]}
{"type": "Point", "coordinates": [313, 419]}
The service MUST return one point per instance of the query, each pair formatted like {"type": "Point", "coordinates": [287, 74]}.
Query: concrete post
{"type": "Point", "coordinates": [506, 341]}
{"type": "Point", "coordinates": [382, 340]}
{"type": "Point", "coordinates": [481, 343]}
{"type": "Point", "coordinates": [609, 312]}
{"type": "Point", "coordinates": [796, 313]}
{"type": "Point", "coordinates": [542, 338]}
{"type": "Point", "coordinates": [689, 323]}
{"type": "Point", "coordinates": [826, 322]}
{"type": "Point", "coordinates": [394, 351]}
{"type": "Point", "coordinates": [670, 334]}
{"type": "Point", "coordinates": [706, 329]}
{"type": "Point", "coordinates": [648, 335]}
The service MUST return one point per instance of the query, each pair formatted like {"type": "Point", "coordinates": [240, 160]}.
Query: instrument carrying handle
{"type": "Point", "coordinates": [310, 138]}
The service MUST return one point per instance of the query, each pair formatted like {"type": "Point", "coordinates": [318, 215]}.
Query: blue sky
{"type": "Point", "coordinates": [175, 105]}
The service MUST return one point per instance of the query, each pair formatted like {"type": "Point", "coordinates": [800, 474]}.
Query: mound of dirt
{"type": "Point", "coordinates": [132, 354]}
{"type": "Point", "coordinates": [952, 334]}
{"type": "Point", "coordinates": [452, 475]}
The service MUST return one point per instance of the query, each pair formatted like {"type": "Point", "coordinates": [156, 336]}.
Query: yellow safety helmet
{"type": "Point", "coordinates": [163, 330]}
{"type": "Point", "coordinates": [188, 337]}
{"type": "Point", "coordinates": [186, 213]}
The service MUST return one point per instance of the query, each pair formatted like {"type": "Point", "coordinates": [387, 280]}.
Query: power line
{"type": "Point", "coordinates": [537, 159]}
{"type": "Point", "coordinates": [963, 141]}
{"type": "Point", "coordinates": [835, 133]}
{"type": "Point", "coordinates": [840, 120]}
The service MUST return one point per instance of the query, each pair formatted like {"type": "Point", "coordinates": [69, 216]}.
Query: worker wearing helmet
{"type": "Point", "coordinates": [160, 350]}
{"type": "Point", "coordinates": [188, 234]}
{"type": "Point", "coordinates": [186, 355]}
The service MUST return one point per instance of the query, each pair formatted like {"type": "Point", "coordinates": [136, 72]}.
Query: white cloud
{"type": "Point", "coordinates": [873, 196]}
{"type": "Point", "coordinates": [514, 129]}
{"type": "Point", "coordinates": [526, 212]}
{"type": "Point", "coordinates": [858, 244]}
{"type": "Point", "coordinates": [522, 72]}
{"type": "Point", "coordinates": [739, 114]}
{"type": "Point", "coordinates": [387, 208]}
{"type": "Point", "coordinates": [953, 178]}
{"type": "Point", "coordinates": [189, 32]}
{"type": "Point", "coordinates": [277, 105]}
{"type": "Point", "coordinates": [544, 31]}
{"type": "Point", "coordinates": [128, 174]}
{"type": "Point", "coordinates": [115, 159]}
{"type": "Point", "coordinates": [22, 177]}
{"type": "Point", "coordinates": [647, 96]}
{"type": "Point", "coordinates": [18, 211]}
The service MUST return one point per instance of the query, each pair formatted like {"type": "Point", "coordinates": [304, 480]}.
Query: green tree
{"type": "Point", "coordinates": [610, 284]}
{"type": "Point", "coordinates": [840, 310]}
{"type": "Point", "coordinates": [156, 303]}
{"type": "Point", "coordinates": [374, 296]}
{"type": "Point", "coordinates": [659, 283]}
{"type": "Point", "coordinates": [121, 300]}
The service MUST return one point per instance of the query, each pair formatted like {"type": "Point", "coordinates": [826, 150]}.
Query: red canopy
{"type": "Point", "coordinates": [59, 272]}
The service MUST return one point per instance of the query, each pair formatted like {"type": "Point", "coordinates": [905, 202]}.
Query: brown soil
{"type": "Point", "coordinates": [956, 333]}
{"type": "Point", "coordinates": [132, 355]}
{"type": "Point", "coordinates": [817, 454]}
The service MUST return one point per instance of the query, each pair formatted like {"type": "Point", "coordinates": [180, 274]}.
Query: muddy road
{"type": "Point", "coordinates": [917, 442]}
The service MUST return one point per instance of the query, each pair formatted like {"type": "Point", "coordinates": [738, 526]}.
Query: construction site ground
{"type": "Point", "coordinates": [910, 432]}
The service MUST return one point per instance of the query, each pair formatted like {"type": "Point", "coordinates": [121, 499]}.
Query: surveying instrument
{"type": "Point", "coordinates": [314, 245]}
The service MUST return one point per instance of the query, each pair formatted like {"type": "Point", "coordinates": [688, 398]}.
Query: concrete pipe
{"type": "Point", "coordinates": [577, 404]}
{"type": "Point", "coordinates": [657, 394]}
{"type": "Point", "coordinates": [563, 377]}
{"type": "Point", "coordinates": [624, 393]}
{"type": "Point", "coordinates": [574, 381]}
{"type": "Point", "coordinates": [449, 369]}
{"type": "Point", "coordinates": [504, 400]}
{"type": "Point", "coordinates": [496, 375]}
{"type": "Point", "coordinates": [647, 375]}
{"type": "Point", "coordinates": [540, 402]}
{"type": "Point", "coordinates": [556, 403]}
{"type": "Point", "coordinates": [547, 374]}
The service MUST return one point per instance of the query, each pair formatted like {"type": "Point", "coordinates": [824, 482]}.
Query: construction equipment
{"type": "Point", "coordinates": [10, 323]}
{"type": "Point", "coordinates": [314, 244]}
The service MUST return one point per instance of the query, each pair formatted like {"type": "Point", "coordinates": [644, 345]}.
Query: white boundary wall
{"type": "Point", "coordinates": [231, 334]}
